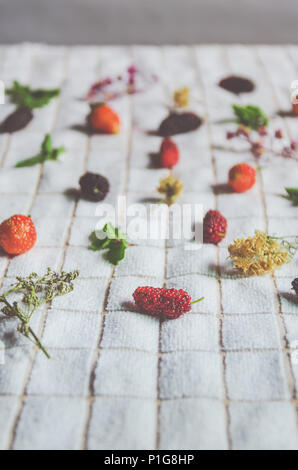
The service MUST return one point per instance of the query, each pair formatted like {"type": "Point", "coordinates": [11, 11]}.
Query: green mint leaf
{"type": "Point", "coordinates": [110, 230]}
{"type": "Point", "coordinates": [24, 96]}
{"type": "Point", "coordinates": [46, 153]}
{"type": "Point", "coordinates": [115, 243]}
{"type": "Point", "coordinates": [116, 251]}
{"type": "Point", "coordinates": [250, 116]}
{"type": "Point", "coordinates": [293, 194]}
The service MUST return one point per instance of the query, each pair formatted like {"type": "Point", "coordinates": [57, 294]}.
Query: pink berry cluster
{"type": "Point", "coordinates": [131, 82]}
{"type": "Point", "coordinates": [258, 147]}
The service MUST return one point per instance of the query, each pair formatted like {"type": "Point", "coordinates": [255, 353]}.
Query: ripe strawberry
{"type": "Point", "coordinates": [169, 153]}
{"type": "Point", "coordinates": [17, 235]}
{"type": "Point", "coordinates": [168, 303]}
{"type": "Point", "coordinates": [214, 227]}
{"type": "Point", "coordinates": [242, 177]}
{"type": "Point", "coordinates": [103, 119]}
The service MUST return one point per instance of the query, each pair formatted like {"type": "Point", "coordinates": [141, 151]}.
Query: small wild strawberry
{"type": "Point", "coordinates": [103, 119]}
{"type": "Point", "coordinates": [242, 177]}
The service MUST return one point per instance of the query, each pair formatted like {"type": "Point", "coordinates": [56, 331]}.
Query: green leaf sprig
{"type": "Point", "coordinates": [47, 152]}
{"type": "Point", "coordinates": [292, 195]}
{"type": "Point", "coordinates": [250, 116]}
{"type": "Point", "coordinates": [35, 291]}
{"type": "Point", "coordinates": [114, 242]}
{"type": "Point", "coordinates": [24, 97]}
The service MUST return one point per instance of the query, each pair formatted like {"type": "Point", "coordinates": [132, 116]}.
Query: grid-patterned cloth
{"type": "Point", "coordinates": [222, 377]}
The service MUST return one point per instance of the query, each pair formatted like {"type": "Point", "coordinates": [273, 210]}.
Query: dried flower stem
{"type": "Point", "coordinates": [262, 253]}
{"type": "Point", "coordinates": [196, 301]}
{"type": "Point", "coordinates": [35, 291]}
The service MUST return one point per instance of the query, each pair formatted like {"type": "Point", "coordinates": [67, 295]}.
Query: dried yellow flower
{"type": "Point", "coordinates": [181, 97]}
{"type": "Point", "coordinates": [171, 187]}
{"type": "Point", "coordinates": [258, 255]}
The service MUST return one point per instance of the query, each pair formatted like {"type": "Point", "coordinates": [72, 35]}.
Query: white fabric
{"type": "Point", "coordinates": [221, 377]}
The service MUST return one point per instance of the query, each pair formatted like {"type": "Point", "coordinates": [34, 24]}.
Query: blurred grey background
{"type": "Point", "coordinates": [148, 21]}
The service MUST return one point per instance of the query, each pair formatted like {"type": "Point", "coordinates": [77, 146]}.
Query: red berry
{"type": "Point", "coordinates": [278, 134]}
{"type": "Point", "coordinates": [242, 177]}
{"type": "Point", "coordinates": [17, 235]}
{"type": "Point", "coordinates": [169, 153]}
{"type": "Point", "coordinates": [169, 303]}
{"type": "Point", "coordinates": [214, 227]}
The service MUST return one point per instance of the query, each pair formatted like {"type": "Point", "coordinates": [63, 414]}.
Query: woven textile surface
{"type": "Point", "coordinates": [222, 376]}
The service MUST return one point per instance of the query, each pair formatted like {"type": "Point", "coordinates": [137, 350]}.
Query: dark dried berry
{"type": "Point", "coordinates": [237, 85]}
{"type": "Point", "coordinates": [16, 121]}
{"type": "Point", "coordinates": [179, 123]}
{"type": "Point", "coordinates": [94, 187]}
{"type": "Point", "coordinates": [295, 285]}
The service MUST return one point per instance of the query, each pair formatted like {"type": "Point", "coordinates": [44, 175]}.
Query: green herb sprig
{"type": "Point", "coordinates": [47, 152]}
{"type": "Point", "coordinates": [292, 195]}
{"type": "Point", "coordinates": [35, 291]}
{"type": "Point", "coordinates": [24, 97]}
{"type": "Point", "coordinates": [114, 242]}
{"type": "Point", "coordinates": [250, 116]}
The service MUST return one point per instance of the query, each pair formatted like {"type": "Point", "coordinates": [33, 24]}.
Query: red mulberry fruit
{"type": "Point", "coordinates": [167, 303]}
